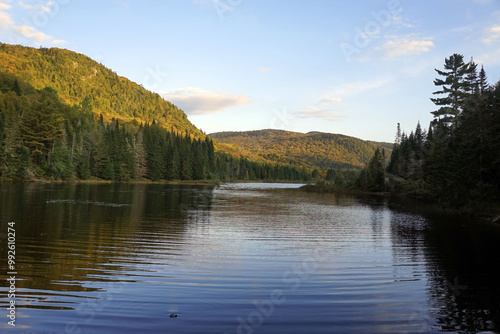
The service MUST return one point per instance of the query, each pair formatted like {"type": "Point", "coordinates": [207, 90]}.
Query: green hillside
{"type": "Point", "coordinates": [64, 116]}
{"type": "Point", "coordinates": [313, 149]}
{"type": "Point", "coordinates": [43, 138]}
{"type": "Point", "coordinates": [75, 76]}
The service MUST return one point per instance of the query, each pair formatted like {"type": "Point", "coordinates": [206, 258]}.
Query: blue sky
{"type": "Point", "coordinates": [351, 67]}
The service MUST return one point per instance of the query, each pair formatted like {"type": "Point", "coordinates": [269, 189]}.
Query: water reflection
{"type": "Point", "coordinates": [461, 258]}
{"type": "Point", "coordinates": [119, 258]}
{"type": "Point", "coordinates": [72, 235]}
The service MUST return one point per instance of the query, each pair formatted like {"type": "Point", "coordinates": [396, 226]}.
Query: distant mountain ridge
{"type": "Point", "coordinates": [313, 149]}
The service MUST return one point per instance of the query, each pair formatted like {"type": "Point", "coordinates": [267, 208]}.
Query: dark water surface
{"type": "Point", "coordinates": [241, 258]}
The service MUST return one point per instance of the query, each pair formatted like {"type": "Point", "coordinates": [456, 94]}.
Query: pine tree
{"type": "Point", "coordinates": [395, 158]}
{"type": "Point", "coordinates": [17, 88]}
{"type": "Point", "coordinates": [372, 177]}
{"type": "Point", "coordinates": [98, 152]}
{"type": "Point", "coordinates": [173, 161]}
{"type": "Point", "coordinates": [376, 170]}
{"type": "Point", "coordinates": [454, 87]}
{"type": "Point", "coordinates": [330, 175]}
{"type": "Point", "coordinates": [41, 124]}
{"type": "Point", "coordinates": [141, 168]}
{"type": "Point", "coordinates": [483, 82]}
{"type": "Point", "coordinates": [155, 144]}
{"type": "Point", "coordinates": [198, 161]}
{"type": "Point", "coordinates": [185, 152]}
{"type": "Point", "coordinates": [21, 169]}
{"type": "Point", "coordinates": [210, 157]}
{"type": "Point", "coordinates": [419, 139]}
{"type": "Point", "coordinates": [83, 166]}
{"type": "Point", "coordinates": [61, 165]}
{"type": "Point", "coordinates": [398, 135]}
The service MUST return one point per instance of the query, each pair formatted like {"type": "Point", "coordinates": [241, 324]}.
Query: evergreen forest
{"type": "Point", "coordinates": [456, 161]}
{"type": "Point", "coordinates": [42, 137]}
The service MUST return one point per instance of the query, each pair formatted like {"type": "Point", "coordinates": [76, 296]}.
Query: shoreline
{"type": "Point", "coordinates": [490, 214]}
{"type": "Point", "coordinates": [101, 181]}
{"type": "Point", "coordinates": [146, 181]}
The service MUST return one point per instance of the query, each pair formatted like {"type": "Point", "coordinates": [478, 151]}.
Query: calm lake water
{"type": "Point", "coordinates": [241, 258]}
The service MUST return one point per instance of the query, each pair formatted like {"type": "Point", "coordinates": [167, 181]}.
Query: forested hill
{"type": "Point", "coordinates": [75, 76]}
{"type": "Point", "coordinates": [313, 149]}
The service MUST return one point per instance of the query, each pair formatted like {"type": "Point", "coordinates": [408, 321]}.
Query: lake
{"type": "Point", "coordinates": [241, 258]}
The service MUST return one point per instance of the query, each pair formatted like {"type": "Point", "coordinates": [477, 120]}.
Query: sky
{"type": "Point", "coordinates": [351, 67]}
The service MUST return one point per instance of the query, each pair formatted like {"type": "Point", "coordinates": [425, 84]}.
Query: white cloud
{"type": "Point", "coordinates": [491, 34]}
{"type": "Point", "coordinates": [31, 33]}
{"type": "Point", "coordinates": [58, 42]}
{"type": "Point", "coordinates": [354, 88]}
{"type": "Point", "coordinates": [328, 100]}
{"type": "Point", "coordinates": [315, 112]}
{"type": "Point", "coordinates": [5, 18]}
{"type": "Point", "coordinates": [402, 21]}
{"type": "Point", "coordinates": [196, 101]}
{"type": "Point", "coordinates": [44, 8]}
{"type": "Point", "coordinates": [402, 46]}
{"type": "Point", "coordinates": [489, 59]}
{"type": "Point", "coordinates": [5, 21]}
{"type": "Point", "coordinates": [14, 31]}
{"type": "Point", "coordinates": [4, 6]}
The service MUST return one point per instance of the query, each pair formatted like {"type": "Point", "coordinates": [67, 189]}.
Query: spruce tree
{"type": "Point", "coordinates": [17, 88]}
{"type": "Point", "coordinates": [483, 82]}
{"type": "Point", "coordinates": [210, 156]}
{"type": "Point", "coordinates": [185, 152]}
{"type": "Point", "coordinates": [173, 162]}
{"type": "Point", "coordinates": [376, 171]}
{"type": "Point", "coordinates": [330, 175]}
{"type": "Point", "coordinates": [198, 161]}
{"type": "Point", "coordinates": [141, 167]}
